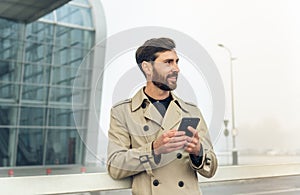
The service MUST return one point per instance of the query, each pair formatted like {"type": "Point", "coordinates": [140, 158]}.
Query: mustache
{"type": "Point", "coordinates": [174, 74]}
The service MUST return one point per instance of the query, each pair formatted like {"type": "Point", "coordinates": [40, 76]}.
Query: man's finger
{"type": "Point", "coordinates": [179, 133]}
{"type": "Point", "coordinates": [180, 144]}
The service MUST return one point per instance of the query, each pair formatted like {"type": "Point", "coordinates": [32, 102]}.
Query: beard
{"type": "Point", "coordinates": [162, 82]}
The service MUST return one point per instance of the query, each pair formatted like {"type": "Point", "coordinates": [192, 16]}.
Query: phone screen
{"type": "Point", "coordinates": [185, 122]}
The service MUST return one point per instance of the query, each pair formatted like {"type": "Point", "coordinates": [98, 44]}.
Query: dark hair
{"type": "Point", "coordinates": [148, 51]}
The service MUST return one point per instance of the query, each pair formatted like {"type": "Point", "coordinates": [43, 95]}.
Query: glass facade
{"type": "Point", "coordinates": [39, 63]}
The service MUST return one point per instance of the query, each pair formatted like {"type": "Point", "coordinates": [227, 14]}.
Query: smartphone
{"type": "Point", "coordinates": [188, 121]}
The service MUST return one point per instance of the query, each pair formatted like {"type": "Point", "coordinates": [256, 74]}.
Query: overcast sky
{"type": "Point", "coordinates": [264, 37]}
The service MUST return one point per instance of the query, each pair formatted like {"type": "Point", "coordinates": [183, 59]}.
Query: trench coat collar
{"type": "Point", "coordinates": [139, 98]}
{"type": "Point", "coordinates": [172, 116]}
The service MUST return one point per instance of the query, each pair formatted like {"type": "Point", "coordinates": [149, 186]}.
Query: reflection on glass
{"type": "Point", "coordinates": [61, 95]}
{"type": "Point", "coordinates": [10, 40]}
{"type": "Point", "coordinates": [63, 147]}
{"type": "Point", "coordinates": [63, 76]}
{"type": "Point", "coordinates": [80, 117]}
{"type": "Point", "coordinates": [8, 114]}
{"type": "Point", "coordinates": [34, 92]}
{"type": "Point", "coordinates": [30, 147]}
{"type": "Point", "coordinates": [79, 97]}
{"type": "Point", "coordinates": [4, 153]}
{"type": "Point", "coordinates": [49, 16]}
{"type": "Point", "coordinates": [77, 38]}
{"type": "Point", "coordinates": [74, 15]}
{"type": "Point", "coordinates": [38, 53]}
{"type": "Point", "coordinates": [39, 32]}
{"type": "Point", "coordinates": [61, 117]}
{"type": "Point", "coordinates": [37, 74]}
{"type": "Point", "coordinates": [11, 49]}
{"type": "Point", "coordinates": [9, 91]}
{"type": "Point", "coordinates": [32, 116]}
{"type": "Point", "coordinates": [9, 70]}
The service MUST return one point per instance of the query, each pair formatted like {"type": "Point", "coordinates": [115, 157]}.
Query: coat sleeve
{"type": "Point", "coordinates": [208, 166]}
{"type": "Point", "coordinates": [123, 160]}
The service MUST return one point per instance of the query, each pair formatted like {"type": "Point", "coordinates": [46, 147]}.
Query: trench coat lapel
{"type": "Point", "coordinates": [152, 113]}
{"type": "Point", "coordinates": [172, 117]}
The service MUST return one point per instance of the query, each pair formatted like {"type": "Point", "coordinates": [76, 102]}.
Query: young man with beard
{"type": "Point", "coordinates": [144, 141]}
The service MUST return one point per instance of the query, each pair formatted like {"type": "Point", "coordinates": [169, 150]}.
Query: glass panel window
{"type": "Point", "coordinates": [80, 117]}
{"type": "Point", "coordinates": [61, 117]}
{"type": "Point", "coordinates": [83, 78]}
{"type": "Point", "coordinates": [64, 76]}
{"type": "Point", "coordinates": [34, 92]}
{"type": "Point", "coordinates": [49, 17]}
{"type": "Point", "coordinates": [40, 32]}
{"type": "Point", "coordinates": [36, 74]}
{"type": "Point", "coordinates": [79, 97]}
{"type": "Point", "coordinates": [39, 38]}
{"type": "Point", "coordinates": [78, 38]}
{"type": "Point", "coordinates": [8, 114]}
{"type": "Point", "coordinates": [63, 147]}
{"type": "Point", "coordinates": [10, 49]}
{"type": "Point", "coordinates": [30, 147]}
{"type": "Point", "coordinates": [4, 144]}
{"type": "Point", "coordinates": [10, 29]}
{"type": "Point", "coordinates": [61, 95]}
{"type": "Point", "coordinates": [9, 70]}
{"type": "Point", "coordinates": [70, 56]}
{"type": "Point", "coordinates": [32, 116]}
{"type": "Point", "coordinates": [9, 91]}
{"type": "Point", "coordinates": [38, 53]}
{"type": "Point", "coordinates": [10, 40]}
{"type": "Point", "coordinates": [72, 14]}
{"type": "Point", "coordinates": [81, 1]}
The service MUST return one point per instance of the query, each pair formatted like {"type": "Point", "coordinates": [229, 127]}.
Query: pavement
{"type": "Point", "coordinates": [284, 185]}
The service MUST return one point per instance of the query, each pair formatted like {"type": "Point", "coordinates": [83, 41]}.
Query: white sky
{"type": "Point", "coordinates": [262, 34]}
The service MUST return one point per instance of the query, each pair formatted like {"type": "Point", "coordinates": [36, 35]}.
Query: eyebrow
{"type": "Point", "coordinates": [172, 60]}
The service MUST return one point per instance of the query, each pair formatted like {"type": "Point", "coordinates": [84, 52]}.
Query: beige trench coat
{"type": "Point", "coordinates": [135, 124]}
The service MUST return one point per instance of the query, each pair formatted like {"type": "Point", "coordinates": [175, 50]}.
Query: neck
{"type": "Point", "coordinates": [155, 92]}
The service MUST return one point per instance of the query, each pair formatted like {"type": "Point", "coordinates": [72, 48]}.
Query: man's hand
{"type": "Point", "coordinates": [193, 146]}
{"type": "Point", "coordinates": [169, 141]}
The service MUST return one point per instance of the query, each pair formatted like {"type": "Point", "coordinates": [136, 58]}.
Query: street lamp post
{"type": "Point", "coordinates": [226, 134]}
{"type": "Point", "coordinates": [234, 130]}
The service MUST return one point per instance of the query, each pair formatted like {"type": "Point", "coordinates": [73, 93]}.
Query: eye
{"type": "Point", "coordinates": [169, 62]}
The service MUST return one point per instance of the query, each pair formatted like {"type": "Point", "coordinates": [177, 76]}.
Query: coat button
{"type": "Point", "coordinates": [207, 161]}
{"type": "Point", "coordinates": [180, 183]}
{"type": "Point", "coordinates": [143, 105]}
{"type": "Point", "coordinates": [179, 155]}
{"type": "Point", "coordinates": [146, 128]}
{"type": "Point", "coordinates": [155, 182]}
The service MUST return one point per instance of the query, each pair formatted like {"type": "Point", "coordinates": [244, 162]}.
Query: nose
{"type": "Point", "coordinates": [175, 67]}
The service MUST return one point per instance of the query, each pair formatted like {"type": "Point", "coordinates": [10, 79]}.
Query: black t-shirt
{"type": "Point", "coordinates": [161, 105]}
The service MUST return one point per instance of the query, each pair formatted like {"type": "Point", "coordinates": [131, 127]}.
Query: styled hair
{"type": "Point", "coordinates": [148, 51]}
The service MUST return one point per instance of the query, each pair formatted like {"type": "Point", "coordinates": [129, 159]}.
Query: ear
{"type": "Point", "coordinates": [147, 68]}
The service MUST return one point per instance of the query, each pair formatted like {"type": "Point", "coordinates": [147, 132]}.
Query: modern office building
{"type": "Point", "coordinates": [40, 60]}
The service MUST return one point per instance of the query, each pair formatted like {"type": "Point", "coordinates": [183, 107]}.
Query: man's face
{"type": "Point", "coordinates": [165, 70]}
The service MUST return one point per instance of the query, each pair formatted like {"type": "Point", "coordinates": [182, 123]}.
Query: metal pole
{"type": "Point", "coordinates": [234, 150]}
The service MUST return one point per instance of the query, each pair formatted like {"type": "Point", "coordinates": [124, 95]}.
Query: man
{"type": "Point", "coordinates": [144, 142]}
